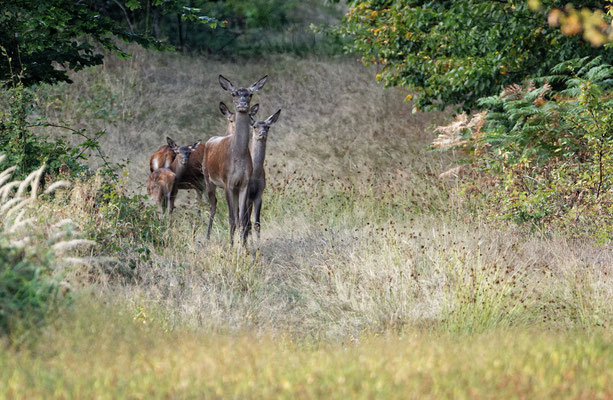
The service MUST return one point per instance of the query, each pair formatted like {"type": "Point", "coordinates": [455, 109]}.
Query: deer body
{"type": "Point", "coordinates": [159, 186]}
{"type": "Point", "coordinates": [257, 183]}
{"type": "Point", "coordinates": [192, 177]}
{"type": "Point", "coordinates": [227, 161]}
{"type": "Point", "coordinates": [163, 183]}
{"type": "Point", "coordinates": [162, 158]}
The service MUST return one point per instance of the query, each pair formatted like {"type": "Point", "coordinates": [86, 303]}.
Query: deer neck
{"type": "Point", "coordinates": [229, 129]}
{"type": "Point", "coordinates": [179, 169]}
{"type": "Point", "coordinates": [240, 139]}
{"type": "Point", "coordinates": [258, 153]}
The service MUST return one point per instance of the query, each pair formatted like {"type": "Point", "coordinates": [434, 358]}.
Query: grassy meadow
{"type": "Point", "coordinates": [373, 278]}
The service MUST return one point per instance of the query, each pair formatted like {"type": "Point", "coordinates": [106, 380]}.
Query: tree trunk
{"type": "Point", "coordinates": [155, 23]}
{"type": "Point", "coordinates": [180, 29]}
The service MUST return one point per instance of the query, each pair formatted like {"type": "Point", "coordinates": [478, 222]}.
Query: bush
{"type": "Point", "coordinates": [549, 145]}
{"type": "Point", "coordinates": [27, 291]}
{"type": "Point", "coordinates": [32, 253]}
{"type": "Point", "coordinates": [28, 150]}
{"type": "Point", "coordinates": [452, 53]}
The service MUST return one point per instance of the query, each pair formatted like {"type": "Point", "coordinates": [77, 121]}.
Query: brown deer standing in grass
{"type": "Point", "coordinates": [227, 161]}
{"type": "Point", "coordinates": [163, 183]}
{"type": "Point", "coordinates": [192, 178]}
{"type": "Point", "coordinates": [257, 183]}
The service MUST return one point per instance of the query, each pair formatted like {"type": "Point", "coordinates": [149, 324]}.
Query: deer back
{"type": "Point", "coordinates": [160, 183]}
{"type": "Point", "coordinates": [162, 158]}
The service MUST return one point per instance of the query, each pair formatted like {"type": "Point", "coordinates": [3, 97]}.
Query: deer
{"type": "Point", "coordinates": [257, 183]}
{"type": "Point", "coordinates": [192, 179]}
{"type": "Point", "coordinates": [162, 184]}
{"type": "Point", "coordinates": [227, 161]}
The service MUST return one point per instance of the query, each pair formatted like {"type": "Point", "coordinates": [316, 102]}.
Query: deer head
{"type": "Point", "coordinates": [241, 97]}
{"type": "Point", "coordinates": [182, 152]}
{"type": "Point", "coordinates": [260, 128]}
{"type": "Point", "coordinates": [231, 117]}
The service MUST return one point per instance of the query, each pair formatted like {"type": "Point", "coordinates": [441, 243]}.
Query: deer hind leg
{"type": "Point", "coordinates": [170, 203]}
{"type": "Point", "coordinates": [258, 208]}
{"type": "Point", "coordinates": [212, 209]}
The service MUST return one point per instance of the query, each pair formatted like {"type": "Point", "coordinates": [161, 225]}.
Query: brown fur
{"type": "Point", "coordinates": [159, 186]}
{"type": "Point", "coordinates": [163, 183]}
{"type": "Point", "coordinates": [163, 157]}
{"type": "Point", "coordinates": [257, 183]}
{"type": "Point", "coordinates": [227, 161]}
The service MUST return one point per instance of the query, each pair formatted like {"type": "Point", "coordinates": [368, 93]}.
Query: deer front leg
{"type": "Point", "coordinates": [258, 207]}
{"type": "Point", "coordinates": [249, 210]}
{"type": "Point", "coordinates": [243, 214]}
{"type": "Point", "coordinates": [171, 201]}
{"type": "Point", "coordinates": [212, 210]}
{"type": "Point", "coordinates": [233, 212]}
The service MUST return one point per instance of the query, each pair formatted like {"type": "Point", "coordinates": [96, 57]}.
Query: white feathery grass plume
{"type": "Point", "coordinates": [20, 216]}
{"type": "Point", "coordinates": [6, 206]}
{"type": "Point", "coordinates": [6, 175]}
{"type": "Point", "coordinates": [3, 179]}
{"type": "Point", "coordinates": [36, 181]}
{"type": "Point", "coordinates": [77, 260]}
{"type": "Point", "coordinates": [63, 222]}
{"type": "Point", "coordinates": [6, 189]}
{"type": "Point", "coordinates": [18, 207]}
{"type": "Point", "coordinates": [61, 247]}
{"type": "Point", "coordinates": [8, 171]}
{"type": "Point", "coordinates": [21, 224]}
{"type": "Point", "coordinates": [24, 185]}
{"type": "Point", "coordinates": [56, 185]}
{"type": "Point", "coordinates": [23, 242]}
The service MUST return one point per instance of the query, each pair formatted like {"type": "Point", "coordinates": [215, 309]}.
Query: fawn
{"type": "Point", "coordinates": [162, 184]}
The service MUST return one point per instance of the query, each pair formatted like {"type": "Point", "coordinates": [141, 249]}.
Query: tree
{"type": "Point", "coordinates": [455, 52]}
{"type": "Point", "coordinates": [43, 39]}
{"type": "Point", "coordinates": [594, 25]}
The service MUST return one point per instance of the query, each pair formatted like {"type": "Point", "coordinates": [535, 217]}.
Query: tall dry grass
{"type": "Point", "coordinates": [372, 277]}
{"type": "Point", "coordinates": [359, 235]}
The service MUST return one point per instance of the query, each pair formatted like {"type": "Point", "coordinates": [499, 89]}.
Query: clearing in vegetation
{"type": "Point", "coordinates": [372, 277]}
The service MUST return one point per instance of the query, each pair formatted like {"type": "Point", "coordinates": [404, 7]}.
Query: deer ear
{"type": "Point", "coordinates": [226, 84]}
{"type": "Point", "coordinates": [258, 85]}
{"type": "Point", "coordinates": [225, 110]}
{"type": "Point", "coordinates": [171, 143]}
{"type": "Point", "coordinates": [273, 118]}
{"type": "Point", "coordinates": [251, 121]}
{"type": "Point", "coordinates": [195, 145]}
{"type": "Point", "coordinates": [254, 110]}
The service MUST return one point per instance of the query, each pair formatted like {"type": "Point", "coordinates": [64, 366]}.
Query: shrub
{"type": "Point", "coordinates": [31, 253]}
{"type": "Point", "coordinates": [548, 142]}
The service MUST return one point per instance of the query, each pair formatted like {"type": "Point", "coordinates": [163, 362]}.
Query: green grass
{"type": "Point", "coordinates": [109, 352]}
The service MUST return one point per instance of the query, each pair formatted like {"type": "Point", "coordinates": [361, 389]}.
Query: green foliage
{"type": "Point", "coordinates": [549, 143]}
{"type": "Point", "coordinates": [115, 218]}
{"type": "Point", "coordinates": [27, 291]}
{"type": "Point", "coordinates": [28, 150]}
{"type": "Point", "coordinates": [455, 52]}
{"type": "Point", "coordinates": [40, 35]}
{"type": "Point", "coordinates": [252, 27]}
